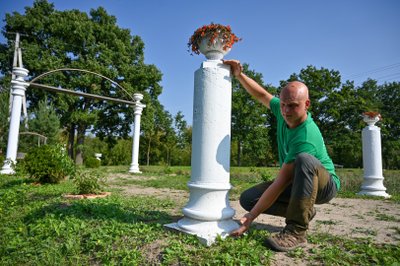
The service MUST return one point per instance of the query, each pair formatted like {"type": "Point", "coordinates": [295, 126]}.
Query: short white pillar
{"type": "Point", "coordinates": [134, 168]}
{"type": "Point", "coordinates": [372, 158]}
{"type": "Point", "coordinates": [18, 92]}
{"type": "Point", "coordinates": [208, 212]}
{"type": "Point", "coordinates": [98, 156]}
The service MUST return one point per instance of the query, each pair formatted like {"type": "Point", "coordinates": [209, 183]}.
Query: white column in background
{"type": "Point", "coordinates": [134, 168]}
{"type": "Point", "coordinates": [372, 160]}
{"type": "Point", "coordinates": [18, 92]}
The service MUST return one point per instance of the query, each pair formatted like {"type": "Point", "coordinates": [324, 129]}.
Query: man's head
{"type": "Point", "coordinates": [294, 103]}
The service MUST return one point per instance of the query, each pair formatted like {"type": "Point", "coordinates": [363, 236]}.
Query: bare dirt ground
{"type": "Point", "coordinates": [350, 218]}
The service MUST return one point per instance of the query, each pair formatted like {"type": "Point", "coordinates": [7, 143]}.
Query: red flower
{"type": "Point", "coordinates": [212, 31]}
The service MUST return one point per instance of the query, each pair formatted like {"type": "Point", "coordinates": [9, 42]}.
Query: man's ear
{"type": "Point", "coordinates": [308, 103]}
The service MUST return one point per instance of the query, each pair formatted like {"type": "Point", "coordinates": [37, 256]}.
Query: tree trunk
{"type": "Point", "coordinates": [79, 147]}
{"type": "Point", "coordinates": [148, 152]}
{"type": "Point", "coordinates": [168, 157]}
{"type": "Point", "coordinates": [71, 141]}
{"type": "Point", "coordinates": [239, 151]}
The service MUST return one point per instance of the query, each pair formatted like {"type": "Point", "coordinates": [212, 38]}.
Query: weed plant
{"type": "Point", "coordinates": [89, 183]}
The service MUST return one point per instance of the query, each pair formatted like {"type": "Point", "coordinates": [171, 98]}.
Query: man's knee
{"type": "Point", "coordinates": [245, 201]}
{"type": "Point", "coordinates": [306, 167]}
{"type": "Point", "coordinates": [305, 161]}
{"type": "Point", "coordinates": [305, 158]}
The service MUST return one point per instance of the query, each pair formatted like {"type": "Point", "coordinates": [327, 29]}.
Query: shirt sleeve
{"type": "Point", "coordinates": [275, 107]}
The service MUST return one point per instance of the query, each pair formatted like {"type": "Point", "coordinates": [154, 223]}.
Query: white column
{"type": "Point", "coordinates": [18, 92]}
{"type": "Point", "coordinates": [98, 156]}
{"type": "Point", "coordinates": [208, 212]}
{"type": "Point", "coordinates": [372, 159]}
{"type": "Point", "coordinates": [136, 134]}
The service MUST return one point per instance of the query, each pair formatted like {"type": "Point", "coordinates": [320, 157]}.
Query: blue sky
{"type": "Point", "coordinates": [358, 38]}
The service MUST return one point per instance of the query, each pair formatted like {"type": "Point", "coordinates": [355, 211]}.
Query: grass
{"type": "Point", "coordinates": [334, 250]}
{"type": "Point", "coordinates": [40, 227]}
{"type": "Point", "coordinates": [244, 177]}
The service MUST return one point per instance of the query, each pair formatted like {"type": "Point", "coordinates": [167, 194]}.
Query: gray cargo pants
{"type": "Point", "coordinates": [312, 184]}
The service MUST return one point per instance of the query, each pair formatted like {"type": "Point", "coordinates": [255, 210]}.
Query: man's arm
{"type": "Point", "coordinates": [252, 87]}
{"type": "Point", "coordinates": [284, 178]}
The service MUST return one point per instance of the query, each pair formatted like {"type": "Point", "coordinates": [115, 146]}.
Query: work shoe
{"type": "Point", "coordinates": [286, 240]}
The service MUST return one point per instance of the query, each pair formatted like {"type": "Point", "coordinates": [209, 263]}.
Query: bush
{"type": "Point", "coordinates": [91, 162]}
{"type": "Point", "coordinates": [49, 164]}
{"type": "Point", "coordinates": [89, 183]}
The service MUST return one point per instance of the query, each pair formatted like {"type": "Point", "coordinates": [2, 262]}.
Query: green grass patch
{"type": "Point", "coordinates": [38, 226]}
{"type": "Point", "coordinates": [241, 178]}
{"type": "Point", "coordinates": [172, 181]}
{"type": "Point", "coordinates": [335, 250]}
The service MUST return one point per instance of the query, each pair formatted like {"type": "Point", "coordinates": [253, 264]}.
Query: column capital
{"type": "Point", "coordinates": [138, 105]}
{"type": "Point", "coordinates": [20, 72]}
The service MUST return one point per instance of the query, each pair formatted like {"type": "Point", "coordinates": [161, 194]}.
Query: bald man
{"type": "Point", "coordinates": [306, 176]}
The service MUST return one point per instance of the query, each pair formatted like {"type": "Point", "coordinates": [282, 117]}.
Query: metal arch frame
{"type": "Point", "coordinates": [46, 87]}
{"type": "Point", "coordinates": [34, 134]}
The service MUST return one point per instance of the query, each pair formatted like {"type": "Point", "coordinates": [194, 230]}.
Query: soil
{"type": "Point", "coordinates": [350, 218]}
{"type": "Point", "coordinates": [87, 196]}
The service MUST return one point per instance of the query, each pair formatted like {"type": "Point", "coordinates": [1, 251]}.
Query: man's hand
{"type": "Point", "coordinates": [245, 222]}
{"type": "Point", "coordinates": [236, 67]}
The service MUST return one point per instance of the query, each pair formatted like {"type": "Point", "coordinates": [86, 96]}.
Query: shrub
{"type": "Point", "coordinates": [49, 164]}
{"type": "Point", "coordinates": [266, 176]}
{"type": "Point", "coordinates": [91, 162]}
{"type": "Point", "coordinates": [89, 183]}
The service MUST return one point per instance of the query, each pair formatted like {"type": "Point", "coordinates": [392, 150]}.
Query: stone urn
{"type": "Point", "coordinates": [371, 118]}
{"type": "Point", "coordinates": [213, 50]}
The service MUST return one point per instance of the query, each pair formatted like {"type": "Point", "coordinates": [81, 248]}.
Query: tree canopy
{"type": "Point", "coordinates": [73, 39]}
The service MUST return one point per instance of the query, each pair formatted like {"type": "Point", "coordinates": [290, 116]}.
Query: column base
{"type": "Point", "coordinates": [134, 169]}
{"type": "Point", "coordinates": [206, 231]}
{"type": "Point", "coordinates": [374, 193]}
{"type": "Point", "coordinates": [373, 186]}
{"type": "Point", "coordinates": [7, 170]}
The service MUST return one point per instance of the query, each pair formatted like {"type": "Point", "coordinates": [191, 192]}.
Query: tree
{"type": "Point", "coordinates": [157, 134]}
{"type": "Point", "coordinates": [4, 123]}
{"type": "Point", "coordinates": [121, 153]}
{"type": "Point", "coordinates": [321, 84]}
{"type": "Point", "coordinates": [250, 124]}
{"type": "Point", "coordinates": [389, 99]}
{"type": "Point", "coordinates": [45, 121]}
{"type": "Point", "coordinates": [72, 39]}
{"type": "Point", "coordinates": [168, 139]}
{"type": "Point", "coordinates": [184, 141]}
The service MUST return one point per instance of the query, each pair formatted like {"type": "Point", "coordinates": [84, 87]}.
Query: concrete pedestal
{"type": "Point", "coordinates": [372, 160]}
{"type": "Point", "coordinates": [208, 212]}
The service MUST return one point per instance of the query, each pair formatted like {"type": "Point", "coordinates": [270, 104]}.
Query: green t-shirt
{"type": "Point", "coordinates": [304, 138]}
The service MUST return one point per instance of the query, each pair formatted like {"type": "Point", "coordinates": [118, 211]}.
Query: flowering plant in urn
{"type": "Point", "coordinates": [214, 41]}
{"type": "Point", "coordinates": [371, 117]}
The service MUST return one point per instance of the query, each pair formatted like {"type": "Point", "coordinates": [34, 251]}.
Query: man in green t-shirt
{"type": "Point", "coordinates": [306, 176]}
